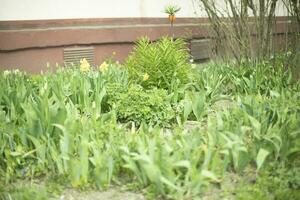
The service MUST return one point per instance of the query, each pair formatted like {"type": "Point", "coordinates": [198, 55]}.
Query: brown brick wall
{"type": "Point", "coordinates": [30, 45]}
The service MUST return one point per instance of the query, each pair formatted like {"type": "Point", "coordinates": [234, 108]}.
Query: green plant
{"type": "Point", "coordinates": [138, 105]}
{"type": "Point", "coordinates": [172, 9]}
{"type": "Point", "coordinates": [281, 183]}
{"type": "Point", "coordinates": [78, 126]}
{"type": "Point", "coordinates": [25, 193]}
{"type": "Point", "coordinates": [159, 64]}
{"type": "Point", "coordinates": [194, 103]}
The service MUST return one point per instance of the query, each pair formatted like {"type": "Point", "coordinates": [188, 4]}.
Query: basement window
{"type": "Point", "coordinates": [73, 55]}
{"type": "Point", "coordinates": [200, 49]}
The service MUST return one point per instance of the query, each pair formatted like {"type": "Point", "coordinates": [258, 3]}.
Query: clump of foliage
{"type": "Point", "coordinates": [159, 64]}
{"type": "Point", "coordinates": [280, 183]}
{"type": "Point", "coordinates": [138, 105]}
{"type": "Point", "coordinates": [25, 193]}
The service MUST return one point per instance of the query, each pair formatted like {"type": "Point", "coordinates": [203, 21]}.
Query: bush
{"type": "Point", "coordinates": [25, 193]}
{"type": "Point", "coordinates": [138, 105]}
{"type": "Point", "coordinates": [159, 64]}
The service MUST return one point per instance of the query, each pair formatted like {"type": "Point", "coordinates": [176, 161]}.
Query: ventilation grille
{"type": "Point", "coordinates": [201, 49]}
{"type": "Point", "coordinates": [75, 54]}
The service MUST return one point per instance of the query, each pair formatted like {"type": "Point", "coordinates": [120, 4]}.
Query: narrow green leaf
{"type": "Point", "coordinates": [261, 157]}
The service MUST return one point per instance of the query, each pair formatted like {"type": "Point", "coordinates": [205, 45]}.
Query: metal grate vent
{"type": "Point", "coordinates": [75, 54]}
{"type": "Point", "coordinates": [201, 49]}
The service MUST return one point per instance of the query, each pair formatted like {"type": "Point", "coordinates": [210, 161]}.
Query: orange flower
{"type": "Point", "coordinates": [172, 18]}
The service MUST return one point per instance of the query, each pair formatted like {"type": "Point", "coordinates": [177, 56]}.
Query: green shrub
{"type": "Point", "coordinates": [25, 193]}
{"type": "Point", "coordinates": [138, 105]}
{"type": "Point", "coordinates": [159, 63]}
{"type": "Point", "coordinates": [277, 182]}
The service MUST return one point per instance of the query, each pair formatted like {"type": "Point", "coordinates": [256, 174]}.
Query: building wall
{"type": "Point", "coordinates": [21, 41]}
{"type": "Point", "coordinates": [35, 32]}
{"type": "Point", "coordinates": [70, 9]}
{"type": "Point", "coordinates": [74, 9]}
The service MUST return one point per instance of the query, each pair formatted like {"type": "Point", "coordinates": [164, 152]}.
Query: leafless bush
{"type": "Point", "coordinates": [244, 28]}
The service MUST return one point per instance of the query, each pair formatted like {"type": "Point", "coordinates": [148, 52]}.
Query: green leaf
{"type": "Point", "coordinates": [110, 168]}
{"type": "Point", "coordinates": [183, 163]}
{"type": "Point", "coordinates": [40, 148]}
{"type": "Point", "coordinates": [256, 125]}
{"type": "Point", "coordinates": [274, 93]}
{"type": "Point", "coordinates": [187, 109]}
{"type": "Point", "coordinates": [209, 174]}
{"type": "Point", "coordinates": [261, 157]}
{"type": "Point", "coordinates": [168, 183]}
{"type": "Point", "coordinates": [198, 104]}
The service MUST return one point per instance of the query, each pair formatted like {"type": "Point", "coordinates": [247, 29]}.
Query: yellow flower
{"type": "Point", "coordinates": [103, 67]}
{"type": "Point", "coordinates": [145, 77]}
{"type": "Point", "coordinates": [114, 53]}
{"type": "Point", "coordinates": [84, 65]}
{"type": "Point", "coordinates": [6, 73]}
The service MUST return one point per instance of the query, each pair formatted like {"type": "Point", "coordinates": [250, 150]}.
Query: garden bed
{"type": "Point", "coordinates": [157, 126]}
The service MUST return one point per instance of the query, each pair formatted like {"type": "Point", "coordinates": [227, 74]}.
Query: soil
{"type": "Point", "coordinates": [110, 194]}
{"type": "Point", "coordinates": [57, 192]}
